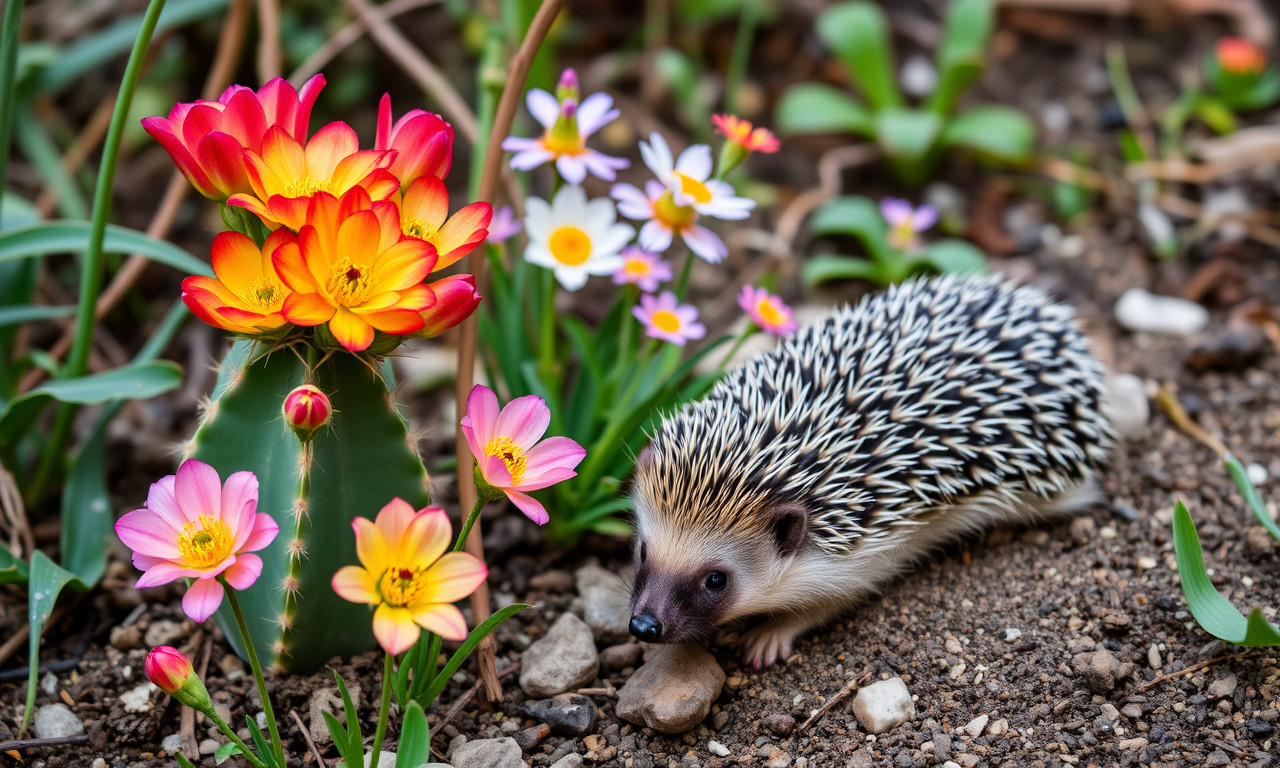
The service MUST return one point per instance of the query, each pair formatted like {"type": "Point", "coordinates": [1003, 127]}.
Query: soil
{"type": "Point", "coordinates": [990, 627]}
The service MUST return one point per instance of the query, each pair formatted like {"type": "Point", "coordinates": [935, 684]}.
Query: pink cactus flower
{"type": "Point", "coordinates": [508, 452]}
{"type": "Point", "coordinates": [195, 527]}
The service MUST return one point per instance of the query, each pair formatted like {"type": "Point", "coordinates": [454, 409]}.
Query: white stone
{"type": "Point", "coordinates": [1257, 474]}
{"type": "Point", "coordinates": [883, 705]}
{"type": "Point", "coordinates": [56, 721]}
{"type": "Point", "coordinates": [717, 749]}
{"type": "Point", "coordinates": [171, 743]}
{"type": "Point", "coordinates": [561, 661]}
{"type": "Point", "coordinates": [1012, 634]}
{"type": "Point", "coordinates": [138, 698]}
{"type": "Point", "coordinates": [1126, 404]}
{"type": "Point", "coordinates": [976, 726]}
{"type": "Point", "coordinates": [1139, 310]}
{"type": "Point", "coordinates": [489, 753]}
{"type": "Point", "coordinates": [571, 760]}
{"type": "Point", "coordinates": [49, 683]}
{"type": "Point", "coordinates": [918, 78]}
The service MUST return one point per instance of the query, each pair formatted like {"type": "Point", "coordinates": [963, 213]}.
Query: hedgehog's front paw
{"type": "Point", "coordinates": [769, 643]}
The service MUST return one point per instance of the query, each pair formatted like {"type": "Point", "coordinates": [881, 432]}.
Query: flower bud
{"type": "Point", "coordinates": [567, 88]}
{"type": "Point", "coordinates": [456, 299]}
{"type": "Point", "coordinates": [306, 409]}
{"type": "Point", "coordinates": [1240, 57]}
{"type": "Point", "coordinates": [172, 673]}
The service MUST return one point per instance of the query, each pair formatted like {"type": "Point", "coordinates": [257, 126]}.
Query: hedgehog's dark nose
{"type": "Point", "coordinates": [645, 627]}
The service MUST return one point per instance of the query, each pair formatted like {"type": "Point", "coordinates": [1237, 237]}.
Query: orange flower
{"type": "Point", "coordinates": [1238, 56]}
{"type": "Point", "coordinates": [285, 175]}
{"type": "Point", "coordinates": [742, 133]}
{"type": "Point", "coordinates": [456, 299]}
{"type": "Point", "coordinates": [352, 269]}
{"type": "Point", "coordinates": [247, 295]}
{"type": "Point", "coordinates": [424, 214]}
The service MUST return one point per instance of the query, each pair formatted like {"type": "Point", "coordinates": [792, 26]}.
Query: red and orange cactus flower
{"type": "Point", "coordinates": [409, 575]}
{"type": "Point", "coordinates": [286, 174]}
{"type": "Point", "coordinates": [745, 135]}
{"type": "Point", "coordinates": [247, 295]}
{"type": "Point", "coordinates": [1240, 57]}
{"type": "Point", "coordinates": [423, 142]}
{"type": "Point", "coordinates": [456, 299]}
{"type": "Point", "coordinates": [424, 214]}
{"type": "Point", "coordinates": [355, 272]}
{"type": "Point", "coordinates": [206, 139]}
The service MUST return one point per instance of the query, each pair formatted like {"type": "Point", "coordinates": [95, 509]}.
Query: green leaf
{"type": "Point", "coordinates": [350, 745]}
{"type": "Point", "coordinates": [859, 217]}
{"type": "Point", "coordinates": [908, 134]}
{"type": "Point", "coordinates": [224, 752]}
{"type": "Point", "coordinates": [86, 507]}
{"type": "Point", "coordinates": [183, 762]}
{"type": "Point", "coordinates": [960, 57]}
{"type": "Point", "coordinates": [824, 269]}
{"type": "Point", "coordinates": [136, 381]}
{"type": "Point", "coordinates": [414, 747]}
{"type": "Point", "coordinates": [464, 650]}
{"type": "Point", "coordinates": [1241, 477]}
{"type": "Point", "coordinates": [17, 315]}
{"type": "Point", "coordinates": [1213, 612]}
{"type": "Point", "coordinates": [66, 236]}
{"type": "Point", "coordinates": [955, 256]}
{"type": "Point", "coordinates": [859, 35]}
{"type": "Point", "coordinates": [998, 132]}
{"type": "Point", "coordinates": [12, 570]}
{"type": "Point", "coordinates": [817, 108]}
{"type": "Point", "coordinates": [41, 151]}
{"type": "Point", "coordinates": [47, 580]}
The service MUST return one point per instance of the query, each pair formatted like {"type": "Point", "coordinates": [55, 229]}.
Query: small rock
{"type": "Point", "coordinates": [1146, 562]}
{"type": "Point", "coordinates": [951, 764]}
{"type": "Point", "coordinates": [99, 763]}
{"type": "Point", "coordinates": [569, 713]}
{"type": "Point", "coordinates": [976, 726]}
{"type": "Point", "coordinates": [1223, 687]}
{"type": "Point", "coordinates": [489, 753]}
{"type": "Point", "coordinates": [1082, 530]}
{"type": "Point", "coordinates": [171, 743]}
{"type": "Point", "coordinates": [774, 757]}
{"type": "Point", "coordinates": [209, 746]}
{"type": "Point", "coordinates": [1132, 711]}
{"type": "Point", "coordinates": [562, 660]}
{"type": "Point", "coordinates": [165, 632]}
{"type": "Point", "coordinates": [673, 691]}
{"type": "Point", "coordinates": [49, 683]}
{"type": "Point", "coordinates": [1116, 623]}
{"type": "Point", "coordinates": [1127, 405]}
{"type": "Point", "coordinates": [1012, 634]}
{"type": "Point", "coordinates": [861, 759]}
{"type": "Point", "coordinates": [232, 667]}
{"type": "Point", "coordinates": [1153, 656]}
{"type": "Point", "coordinates": [138, 699]}
{"type": "Point", "coordinates": [1233, 348]}
{"type": "Point", "coordinates": [532, 737]}
{"type": "Point", "coordinates": [56, 721]}
{"type": "Point", "coordinates": [1257, 474]}
{"type": "Point", "coordinates": [1101, 669]}
{"type": "Point", "coordinates": [1257, 541]}
{"type": "Point", "coordinates": [918, 76]}
{"type": "Point", "coordinates": [571, 760]}
{"type": "Point", "coordinates": [618, 657]}
{"type": "Point", "coordinates": [998, 727]}
{"type": "Point", "coordinates": [126, 638]}
{"type": "Point", "coordinates": [1218, 757]}
{"type": "Point", "coordinates": [1139, 310]}
{"type": "Point", "coordinates": [552, 581]}
{"type": "Point", "coordinates": [717, 749]}
{"type": "Point", "coordinates": [883, 705]}
{"type": "Point", "coordinates": [605, 606]}
{"type": "Point", "coordinates": [385, 760]}
{"type": "Point", "coordinates": [1137, 743]}
{"type": "Point", "coordinates": [326, 700]}
{"type": "Point", "coordinates": [779, 723]}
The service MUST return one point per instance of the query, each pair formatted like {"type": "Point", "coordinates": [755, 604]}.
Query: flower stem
{"type": "Point", "coordinates": [252, 652]}
{"type": "Point", "coordinates": [382, 712]}
{"type": "Point", "coordinates": [8, 72]}
{"type": "Point", "coordinates": [683, 285]}
{"type": "Point", "coordinates": [746, 334]}
{"type": "Point", "coordinates": [741, 54]}
{"type": "Point", "coordinates": [244, 748]}
{"type": "Point", "coordinates": [461, 541]}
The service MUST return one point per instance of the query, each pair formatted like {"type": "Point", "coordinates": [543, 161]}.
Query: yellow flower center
{"type": "Point", "coordinates": [511, 454]}
{"type": "Point", "coordinates": [307, 186]}
{"type": "Point", "coordinates": [690, 186]}
{"type": "Point", "coordinates": [563, 143]}
{"type": "Point", "coordinates": [665, 321]}
{"type": "Point", "coordinates": [265, 295]}
{"type": "Point", "coordinates": [206, 542]}
{"type": "Point", "coordinates": [570, 246]}
{"type": "Point", "coordinates": [401, 585]}
{"type": "Point", "coordinates": [903, 237]}
{"type": "Point", "coordinates": [770, 313]}
{"type": "Point", "coordinates": [418, 228]}
{"type": "Point", "coordinates": [675, 216]}
{"type": "Point", "coordinates": [636, 267]}
{"type": "Point", "coordinates": [349, 283]}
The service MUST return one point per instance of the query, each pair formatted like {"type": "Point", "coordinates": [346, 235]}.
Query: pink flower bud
{"type": "Point", "coordinates": [306, 409]}
{"type": "Point", "coordinates": [567, 88]}
{"type": "Point", "coordinates": [168, 668]}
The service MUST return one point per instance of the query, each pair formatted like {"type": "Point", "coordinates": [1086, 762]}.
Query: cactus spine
{"type": "Point", "coordinates": [350, 467]}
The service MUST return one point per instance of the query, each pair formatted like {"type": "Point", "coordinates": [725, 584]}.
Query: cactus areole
{"type": "Point", "coordinates": [362, 457]}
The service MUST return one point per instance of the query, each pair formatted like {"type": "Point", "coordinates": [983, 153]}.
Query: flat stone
{"type": "Point", "coordinates": [138, 698]}
{"type": "Point", "coordinates": [165, 632]}
{"type": "Point", "coordinates": [618, 657]}
{"type": "Point", "coordinates": [126, 638]}
{"type": "Point", "coordinates": [605, 605]}
{"type": "Point", "coordinates": [976, 726]}
{"type": "Point", "coordinates": [532, 737]}
{"type": "Point", "coordinates": [1101, 669]}
{"type": "Point", "coordinates": [673, 691]}
{"type": "Point", "coordinates": [570, 713]}
{"type": "Point", "coordinates": [571, 760]}
{"type": "Point", "coordinates": [56, 721]}
{"type": "Point", "coordinates": [562, 660]}
{"type": "Point", "coordinates": [883, 705]}
{"type": "Point", "coordinates": [861, 759]}
{"type": "Point", "coordinates": [327, 700]}
{"type": "Point", "coordinates": [171, 743]}
{"type": "Point", "coordinates": [1223, 687]}
{"type": "Point", "coordinates": [489, 753]}
{"type": "Point", "coordinates": [209, 746]}
{"type": "Point", "coordinates": [998, 727]}
{"type": "Point", "coordinates": [1140, 310]}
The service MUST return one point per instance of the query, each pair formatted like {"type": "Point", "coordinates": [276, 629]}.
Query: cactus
{"type": "Point", "coordinates": [351, 467]}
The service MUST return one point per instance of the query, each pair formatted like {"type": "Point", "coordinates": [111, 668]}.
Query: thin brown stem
{"type": "Point", "coordinates": [268, 39]}
{"type": "Point", "coordinates": [344, 37]}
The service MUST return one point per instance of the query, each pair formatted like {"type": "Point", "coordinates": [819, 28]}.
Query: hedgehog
{"type": "Point", "coordinates": [811, 476]}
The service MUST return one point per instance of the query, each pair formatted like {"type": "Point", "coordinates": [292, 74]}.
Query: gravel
{"type": "Point", "coordinates": [563, 660]}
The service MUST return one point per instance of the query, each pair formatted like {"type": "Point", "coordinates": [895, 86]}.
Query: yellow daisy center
{"type": "Point", "coordinates": [206, 542]}
{"type": "Point", "coordinates": [511, 454]}
{"type": "Point", "coordinates": [418, 228]}
{"type": "Point", "coordinates": [563, 143]}
{"type": "Point", "coordinates": [665, 321]}
{"type": "Point", "coordinates": [903, 237]}
{"type": "Point", "coordinates": [307, 186]}
{"type": "Point", "coordinates": [401, 585]}
{"type": "Point", "coordinates": [570, 246]}
{"type": "Point", "coordinates": [770, 313]}
{"type": "Point", "coordinates": [690, 186]}
{"type": "Point", "coordinates": [265, 295]}
{"type": "Point", "coordinates": [349, 283]}
{"type": "Point", "coordinates": [675, 216]}
{"type": "Point", "coordinates": [637, 267]}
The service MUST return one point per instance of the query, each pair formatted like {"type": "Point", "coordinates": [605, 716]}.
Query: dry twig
{"type": "Point", "coordinates": [848, 690]}
{"type": "Point", "coordinates": [268, 39]}
{"type": "Point", "coordinates": [1173, 409]}
{"type": "Point", "coordinates": [347, 35]}
{"type": "Point", "coordinates": [306, 736]}
{"type": "Point", "coordinates": [1192, 668]}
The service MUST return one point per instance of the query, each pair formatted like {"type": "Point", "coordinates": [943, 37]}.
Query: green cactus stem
{"type": "Point", "coordinates": [350, 468]}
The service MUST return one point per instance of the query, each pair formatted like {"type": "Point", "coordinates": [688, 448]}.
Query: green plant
{"type": "Point", "coordinates": [913, 139]}
{"type": "Point", "coordinates": [1213, 612]}
{"type": "Point", "coordinates": [892, 252]}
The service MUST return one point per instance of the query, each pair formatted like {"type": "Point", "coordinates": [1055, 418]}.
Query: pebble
{"type": "Point", "coordinates": [49, 683]}
{"type": "Point", "coordinates": [1082, 530]}
{"type": "Point", "coordinates": [1136, 743]}
{"type": "Point", "coordinates": [673, 691]}
{"type": "Point", "coordinates": [1012, 634]}
{"type": "Point", "coordinates": [532, 737]}
{"type": "Point", "coordinates": [1257, 541]}
{"type": "Point", "coordinates": [232, 667]}
{"type": "Point", "coordinates": [385, 760]}
{"type": "Point", "coordinates": [861, 759]}
{"type": "Point", "coordinates": [1140, 310]}
{"type": "Point", "coordinates": [717, 749]}
{"type": "Point", "coordinates": [918, 76]}
{"type": "Point", "coordinates": [489, 753]}
{"type": "Point", "coordinates": [562, 660]}
{"type": "Point", "coordinates": [552, 581]}
{"type": "Point", "coordinates": [99, 763]}
{"type": "Point", "coordinates": [1127, 404]}
{"type": "Point", "coordinates": [326, 700]}
{"type": "Point", "coordinates": [605, 606]}
{"type": "Point", "coordinates": [1223, 687]}
{"type": "Point", "coordinates": [998, 727]}
{"type": "Point", "coordinates": [618, 657]}
{"type": "Point", "coordinates": [138, 699]}
{"type": "Point", "coordinates": [171, 743]}
{"type": "Point", "coordinates": [209, 746]}
{"type": "Point", "coordinates": [1146, 562]}
{"type": "Point", "coordinates": [165, 632]}
{"type": "Point", "coordinates": [571, 760]}
{"type": "Point", "coordinates": [1101, 669]}
{"type": "Point", "coordinates": [976, 726]}
{"type": "Point", "coordinates": [569, 713]}
{"type": "Point", "coordinates": [1257, 474]}
{"type": "Point", "coordinates": [1153, 657]}
{"type": "Point", "coordinates": [126, 638]}
{"type": "Point", "coordinates": [883, 705]}
{"type": "Point", "coordinates": [56, 721]}
{"type": "Point", "coordinates": [779, 723]}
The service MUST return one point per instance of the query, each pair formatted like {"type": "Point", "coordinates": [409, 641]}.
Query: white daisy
{"type": "Point", "coordinates": [567, 124]}
{"type": "Point", "coordinates": [689, 179]}
{"type": "Point", "coordinates": [575, 237]}
{"type": "Point", "coordinates": [663, 219]}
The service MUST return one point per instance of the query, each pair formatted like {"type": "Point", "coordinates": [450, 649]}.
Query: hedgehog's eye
{"type": "Point", "coordinates": [717, 581]}
{"type": "Point", "coordinates": [644, 552]}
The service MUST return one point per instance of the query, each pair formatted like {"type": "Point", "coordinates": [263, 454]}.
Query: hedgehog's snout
{"type": "Point", "coordinates": [646, 627]}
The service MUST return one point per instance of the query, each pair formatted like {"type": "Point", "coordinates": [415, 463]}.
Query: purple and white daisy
{"type": "Point", "coordinates": [666, 319]}
{"type": "Point", "coordinates": [567, 125]}
{"type": "Point", "coordinates": [642, 269]}
{"type": "Point", "coordinates": [906, 222]}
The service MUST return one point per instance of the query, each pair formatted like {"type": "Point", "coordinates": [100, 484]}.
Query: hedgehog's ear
{"type": "Point", "coordinates": [645, 460]}
{"type": "Point", "coordinates": [790, 522]}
